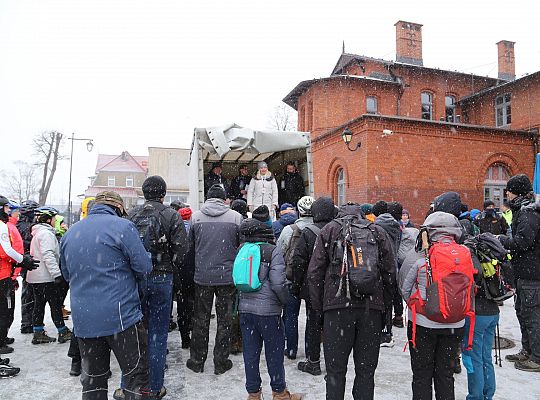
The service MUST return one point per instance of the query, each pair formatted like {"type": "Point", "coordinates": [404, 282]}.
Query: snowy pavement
{"type": "Point", "coordinates": [44, 371]}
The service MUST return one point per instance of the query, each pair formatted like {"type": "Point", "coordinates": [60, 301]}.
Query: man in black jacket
{"type": "Point", "coordinates": [291, 187]}
{"type": "Point", "coordinates": [350, 322]}
{"type": "Point", "coordinates": [525, 248]}
{"type": "Point", "coordinates": [215, 177]}
{"type": "Point", "coordinates": [323, 211]}
{"type": "Point", "coordinates": [167, 257]}
{"type": "Point", "coordinates": [239, 185]}
{"type": "Point", "coordinates": [490, 221]}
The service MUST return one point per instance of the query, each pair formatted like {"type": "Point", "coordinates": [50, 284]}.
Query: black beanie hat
{"type": "Point", "coordinates": [261, 213]}
{"type": "Point", "coordinates": [448, 202]}
{"type": "Point", "coordinates": [216, 192]}
{"type": "Point", "coordinates": [519, 185]}
{"type": "Point", "coordinates": [395, 209]}
{"type": "Point", "coordinates": [154, 187]}
{"type": "Point", "coordinates": [380, 207]}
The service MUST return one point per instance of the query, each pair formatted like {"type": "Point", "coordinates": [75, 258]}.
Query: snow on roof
{"type": "Point", "coordinates": [124, 162]}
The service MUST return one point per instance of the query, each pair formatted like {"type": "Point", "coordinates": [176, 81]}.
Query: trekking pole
{"type": "Point", "coordinates": [425, 247]}
{"type": "Point", "coordinates": [499, 345]}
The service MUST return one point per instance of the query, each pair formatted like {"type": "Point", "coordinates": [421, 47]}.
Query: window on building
{"type": "Point", "coordinates": [503, 109]}
{"type": "Point", "coordinates": [494, 183]}
{"type": "Point", "coordinates": [371, 105]}
{"type": "Point", "coordinates": [129, 181]}
{"type": "Point", "coordinates": [427, 105]}
{"type": "Point", "coordinates": [450, 104]}
{"type": "Point", "coordinates": [111, 181]}
{"type": "Point", "coordinates": [340, 182]}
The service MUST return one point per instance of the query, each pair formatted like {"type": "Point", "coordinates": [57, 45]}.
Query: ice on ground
{"type": "Point", "coordinates": [45, 371]}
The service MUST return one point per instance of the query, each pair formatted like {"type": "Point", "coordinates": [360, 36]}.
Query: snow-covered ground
{"type": "Point", "coordinates": [44, 371]}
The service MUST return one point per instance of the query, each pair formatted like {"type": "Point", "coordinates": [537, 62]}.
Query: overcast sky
{"type": "Point", "coordinates": [133, 74]}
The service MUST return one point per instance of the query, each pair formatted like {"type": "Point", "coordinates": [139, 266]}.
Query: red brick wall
{"type": "Point", "coordinates": [418, 162]}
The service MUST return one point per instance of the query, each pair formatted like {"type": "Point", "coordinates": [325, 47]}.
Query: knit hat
{"type": "Point", "coordinates": [154, 187]}
{"type": "Point", "coordinates": [262, 214]}
{"type": "Point", "coordinates": [185, 213]}
{"type": "Point", "coordinates": [519, 185]}
{"type": "Point", "coordinates": [406, 212]}
{"type": "Point", "coordinates": [304, 206]}
{"type": "Point", "coordinates": [380, 207]}
{"type": "Point", "coordinates": [367, 208]}
{"type": "Point", "coordinates": [395, 209]}
{"type": "Point", "coordinates": [286, 208]}
{"type": "Point", "coordinates": [262, 164]}
{"type": "Point", "coordinates": [488, 203]}
{"type": "Point", "coordinates": [110, 198]}
{"type": "Point", "coordinates": [240, 206]}
{"type": "Point", "coordinates": [216, 192]}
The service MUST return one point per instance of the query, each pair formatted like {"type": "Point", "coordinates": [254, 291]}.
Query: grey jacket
{"type": "Point", "coordinates": [286, 233]}
{"type": "Point", "coordinates": [441, 226]}
{"type": "Point", "coordinates": [273, 294]}
{"type": "Point", "coordinates": [45, 248]}
{"type": "Point", "coordinates": [214, 238]}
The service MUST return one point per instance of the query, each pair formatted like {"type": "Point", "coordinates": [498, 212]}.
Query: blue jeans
{"type": "Point", "coordinates": [480, 372]}
{"type": "Point", "coordinates": [290, 320]}
{"type": "Point", "coordinates": [156, 300]}
{"type": "Point", "coordinates": [257, 330]}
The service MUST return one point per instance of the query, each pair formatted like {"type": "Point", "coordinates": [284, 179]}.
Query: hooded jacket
{"type": "Point", "coordinates": [286, 234]}
{"type": "Point", "coordinates": [283, 221]}
{"type": "Point", "coordinates": [392, 227]}
{"type": "Point", "coordinates": [323, 276]}
{"type": "Point", "coordinates": [272, 296]}
{"type": "Point", "coordinates": [324, 211]}
{"type": "Point", "coordinates": [24, 226]}
{"type": "Point", "coordinates": [44, 247]}
{"type": "Point", "coordinates": [263, 190]}
{"type": "Point", "coordinates": [214, 238]}
{"type": "Point", "coordinates": [525, 241]}
{"type": "Point", "coordinates": [441, 227]}
{"type": "Point", "coordinates": [103, 258]}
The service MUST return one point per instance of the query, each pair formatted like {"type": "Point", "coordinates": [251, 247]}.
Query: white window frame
{"type": "Point", "coordinates": [503, 109]}
{"type": "Point", "coordinates": [340, 187]}
{"type": "Point", "coordinates": [368, 111]}
{"type": "Point", "coordinates": [129, 181]}
{"type": "Point", "coordinates": [429, 105]}
{"type": "Point", "coordinates": [111, 179]}
{"type": "Point", "coordinates": [452, 106]}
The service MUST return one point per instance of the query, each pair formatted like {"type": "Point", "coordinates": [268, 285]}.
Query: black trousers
{"type": "Point", "coordinates": [73, 351]}
{"type": "Point", "coordinates": [528, 313]}
{"type": "Point", "coordinates": [355, 329]}
{"type": "Point", "coordinates": [27, 304]}
{"type": "Point", "coordinates": [204, 297]}
{"type": "Point", "coordinates": [47, 293]}
{"type": "Point", "coordinates": [7, 308]}
{"type": "Point", "coordinates": [434, 360]}
{"type": "Point", "coordinates": [130, 348]}
{"type": "Point", "coordinates": [314, 325]}
{"type": "Point", "coordinates": [184, 309]}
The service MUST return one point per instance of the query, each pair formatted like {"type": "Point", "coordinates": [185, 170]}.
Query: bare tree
{"type": "Point", "coordinates": [283, 118]}
{"type": "Point", "coordinates": [23, 183]}
{"type": "Point", "coordinates": [47, 148]}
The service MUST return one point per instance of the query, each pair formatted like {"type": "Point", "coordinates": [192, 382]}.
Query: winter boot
{"type": "Point", "coordinates": [41, 337]}
{"type": "Point", "coordinates": [194, 366]}
{"type": "Point", "coordinates": [223, 367]}
{"type": "Point", "coordinates": [172, 326]}
{"type": "Point", "coordinates": [311, 367]}
{"type": "Point", "coordinates": [7, 371]}
{"type": "Point", "coordinates": [64, 336]}
{"type": "Point", "coordinates": [398, 321]}
{"type": "Point", "coordinates": [457, 365]}
{"type": "Point", "coordinates": [158, 395]}
{"type": "Point", "coordinates": [5, 349]}
{"type": "Point", "coordinates": [75, 367]}
{"type": "Point", "coordinates": [527, 365]}
{"type": "Point", "coordinates": [27, 329]}
{"type": "Point", "coordinates": [387, 340]}
{"type": "Point", "coordinates": [255, 396]}
{"type": "Point", "coordinates": [286, 395]}
{"type": "Point", "coordinates": [521, 356]}
{"type": "Point", "coordinates": [4, 361]}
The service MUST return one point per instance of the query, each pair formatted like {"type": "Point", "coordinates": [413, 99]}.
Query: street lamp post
{"type": "Point", "coordinates": [347, 137]}
{"type": "Point", "coordinates": [89, 147]}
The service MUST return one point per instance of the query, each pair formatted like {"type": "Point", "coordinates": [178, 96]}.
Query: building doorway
{"type": "Point", "coordinates": [494, 183]}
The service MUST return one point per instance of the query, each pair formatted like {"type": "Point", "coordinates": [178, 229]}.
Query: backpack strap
{"type": "Point", "coordinates": [266, 256]}
{"type": "Point", "coordinates": [313, 229]}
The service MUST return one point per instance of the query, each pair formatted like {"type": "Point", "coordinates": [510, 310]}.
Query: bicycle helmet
{"type": "Point", "coordinates": [46, 211]}
{"type": "Point", "coordinates": [28, 206]}
{"type": "Point", "coordinates": [304, 205]}
{"type": "Point", "coordinates": [3, 201]}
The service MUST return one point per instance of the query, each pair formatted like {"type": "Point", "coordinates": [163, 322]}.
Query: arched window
{"type": "Point", "coordinates": [427, 105]}
{"type": "Point", "coordinates": [340, 187]}
{"type": "Point", "coordinates": [494, 183]}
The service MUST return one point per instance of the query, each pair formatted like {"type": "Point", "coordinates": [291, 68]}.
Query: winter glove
{"type": "Point", "coordinates": [28, 263]}
{"type": "Point", "coordinates": [15, 284]}
{"type": "Point", "coordinates": [59, 280]}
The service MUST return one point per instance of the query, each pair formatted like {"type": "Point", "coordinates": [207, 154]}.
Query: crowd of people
{"type": "Point", "coordinates": [252, 253]}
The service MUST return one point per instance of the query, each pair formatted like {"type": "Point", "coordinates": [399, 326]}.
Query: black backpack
{"type": "Point", "coordinates": [288, 256]}
{"type": "Point", "coordinates": [356, 252]}
{"type": "Point", "coordinates": [148, 221]}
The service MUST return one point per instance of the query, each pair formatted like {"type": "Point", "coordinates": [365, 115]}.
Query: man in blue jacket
{"type": "Point", "coordinates": [103, 259]}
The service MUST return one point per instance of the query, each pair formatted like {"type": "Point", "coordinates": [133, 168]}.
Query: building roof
{"type": "Point", "coordinates": [503, 85]}
{"type": "Point", "coordinates": [124, 162]}
{"type": "Point", "coordinates": [292, 98]}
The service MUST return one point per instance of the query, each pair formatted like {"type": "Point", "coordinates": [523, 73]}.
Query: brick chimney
{"type": "Point", "coordinates": [507, 60]}
{"type": "Point", "coordinates": [409, 43]}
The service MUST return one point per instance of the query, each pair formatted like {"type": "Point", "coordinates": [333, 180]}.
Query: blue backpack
{"type": "Point", "coordinates": [247, 265]}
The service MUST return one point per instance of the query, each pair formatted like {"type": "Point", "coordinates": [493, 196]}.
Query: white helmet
{"type": "Point", "coordinates": [304, 205]}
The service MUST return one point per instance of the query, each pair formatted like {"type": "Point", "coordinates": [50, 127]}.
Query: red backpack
{"type": "Point", "coordinates": [450, 287]}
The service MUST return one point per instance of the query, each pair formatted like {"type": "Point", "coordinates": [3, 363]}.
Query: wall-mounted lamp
{"type": "Point", "coordinates": [347, 137]}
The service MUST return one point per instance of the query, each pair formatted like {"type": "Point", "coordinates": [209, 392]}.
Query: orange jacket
{"type": "Point", "coordinates": [6, 262]}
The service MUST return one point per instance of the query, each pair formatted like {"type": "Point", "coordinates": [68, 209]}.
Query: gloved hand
{"type": "Point", "coordinates": [28, 263]}
{"type": "Point", "coordinates": [15, 284]}
{"type": "Point", "coordinates": [59, 280]}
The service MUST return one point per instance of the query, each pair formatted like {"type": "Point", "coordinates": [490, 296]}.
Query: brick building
{"type": "Point", "coordinates": [423, 130]}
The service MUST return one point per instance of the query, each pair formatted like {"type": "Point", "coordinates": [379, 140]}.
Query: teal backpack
{"type": "Point", "coordinates": [247, 265]}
